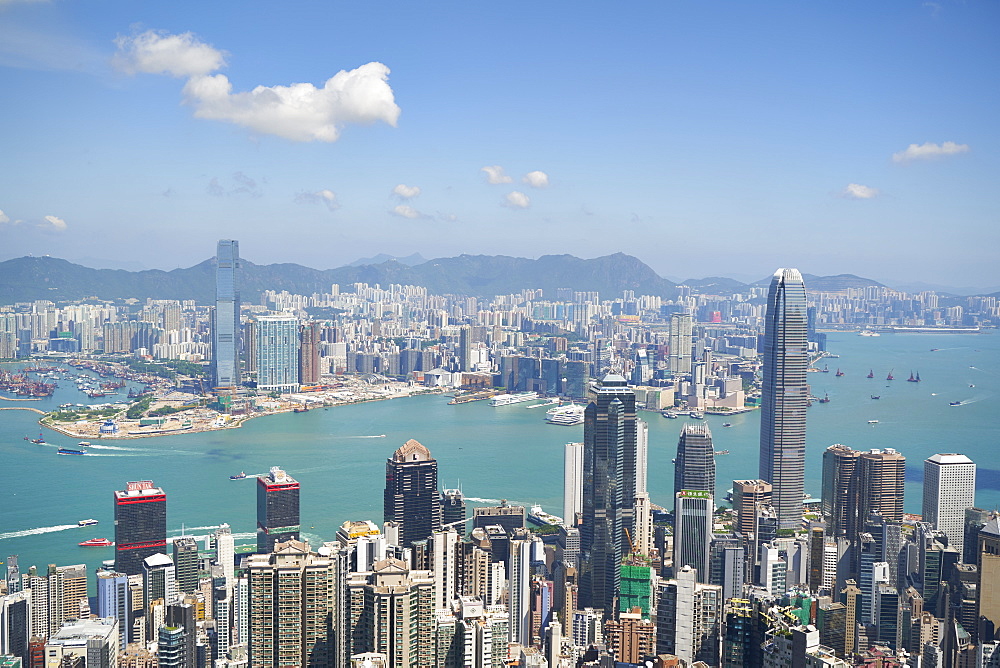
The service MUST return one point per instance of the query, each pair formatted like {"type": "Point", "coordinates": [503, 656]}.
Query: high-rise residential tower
{"type": "Point", "coordinates": [309, 371]}
{"type": "Point", "coordinates": [572, 483]}
{"type": "Point", "coordinates": [226, 317]}
{"type": "Point", "coordinates": [277, 341]}
{"type": "Point", "coordinates": [949, 489]}
{"type": "Point", "coordinates": [609, 480]}
{"type": "Point", "coordinates": [277, 509]}
{"type": "Point", "coordinates": [680, 343]}
{"type": "Point", "coordinates": [784, 395]}
{"type": "Point", "coordinates": [140, 525]}
{"type": "Point", "coordinates": [694, 466]}
{"type": "Point", "coordinates": [411, 492]}
{"type": "Point", "coordinates": [840, 490]}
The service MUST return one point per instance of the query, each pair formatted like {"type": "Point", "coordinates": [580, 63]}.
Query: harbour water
{"type": "Point", "coordinates": [338, 454]}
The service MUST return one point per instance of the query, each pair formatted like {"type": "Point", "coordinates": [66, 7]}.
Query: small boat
{"type": "Point", "coordinates": [913, 379]}
{"type": "Point", "coordinates": [726, 424]}
{"type": "Point", "coordinates": [86, 523]}
{"type": "Point", "coordinates": [839, 373]}
{"type": "Point", "coordinates": [826, 368]}
{"type": "Point", "coordinates": [954, 403]}
{"type": "Point", "coordinates": [971, 385]}
{"type": "Point", "coordinates": [71, 451]}
{"type": "Point", "coordinates": [889, 377]}
{"type": "Point", "coordinates": [873, 422]}
{"type": "Point", "coordinates": [722, 452]}
{"type": "Point", "coordinates": [300, 410]}
{"type": "Point", "coordinates": [36, 441]}
{"type": "Point", "coordinates": [238, 476]}
{"type": "Point", "coordinates": [96, 542]}
{"type": "Point", "coordinates": [871, 373]}
{"type": "Point", "coordinates": [825, 399]}
{"type": "Point", "coordinates": [669, 414]}
{"type": "Point", "coordinates": [875, 396]}
{"type": "Point", "coordinates": [697, 415]}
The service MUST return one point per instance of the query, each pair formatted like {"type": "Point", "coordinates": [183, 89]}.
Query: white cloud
{"type": "Point", "coordinates": [54, 223]}
{"type": "Point", "coordinates": [155, 52]}
{"type": "Point", "coordinates": [517, 200]}
{"type": "Point", "coordinates": [326, 197]}
{"type": "Point", "coordinates": [406, 211]}
{"type": "Point", "coordinates": [536, 179]}
{"type": "Point", "coordinates": [406, 192]}
{"type": "Point", "coordinates": [299, 112]}
{"type": "Point", "coordinates": [929, 151]}
{"type": "Point", "coordinates": [4, 218]}
{"type": "Point", "coordinates": [858, 191]}
{"type": "Point", "coordinates": [244, 185]}
{"type": "Point", "coordinates": [495, 175]}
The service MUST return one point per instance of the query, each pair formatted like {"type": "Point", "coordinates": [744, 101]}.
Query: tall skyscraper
{"type": "Point", "coordinates": [572, 483]}
{"type": "Point", "coordinates": [277, 340]}
{"type": "Point", "coordinates": [277, 509]}
{"type": "Point", "coordinates": [411, 492]}
{"type": "Point", "coordinates": [680, 343]}
{"type": "Point", "coordinates": [748, 497]}
{"type": "Point", "coordinates": [949, 489]}
{"type": "Point", "coordinates": [140, 525]}
{"type": "Point", "coordinates": [609, 479]}
{"type": "Point", "coordinates": [187, 564]}
{"type": "Point", "coordinates": [839, 504]}
{"type": "Point", "coordinates": [309, 371]}
{"type": "Point", "coordinates": [881, 477]}
{"type": "Point", "coordinates": [693, 531]}
{"type": "Point", "coordinates": [694, 466]}
{"type": "Point", "coordinates": [226, 317]}
{"type": "Point", "coordinates": [784, 395]}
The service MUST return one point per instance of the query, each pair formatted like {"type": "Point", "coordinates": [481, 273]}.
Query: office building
{"type": "Point", "coordinates": [572, 483]}
{"type": "Point", "coordinates": [693, 531]}
{"type": "Point", "coordinates": [988, 562]}
{"type": "Point", "coordinates": [411, 498]}
{"type": "Point", "coordinates": [187, 564]}
{"type": "Point", "coordinates": [277, 341]}
{"type": "Point", "coordinates": [949, 489]}
{"type": "Point", "coordinates": [140, 525]}
{"type": "Point", "coordinates": [226, 317]}
{"type": "Point", "coordinates": [277, 509]}
{"type": "Point", "coordinates": [113, 600]}
{"type": "Point", "coordinates": [785, 395]}
{"type": "Point", "coordinates": [881, 480]}
{"type": "Point", "coordinates": [225, 551]}
{"type": "Point", "coordinates": [453, 511]}
{"type": "Point", "coordinates": [14, 624]}
{"type": "Point", "coordinates": [511, 518]}
{"type": "Point", "coordinates": [839, 503]}
{"type": "Point", "coordinates": [609, 479]}
{"type": "Point", "coordinates": [292, 607]}
{"type": "Point", "coordinates": [309, 340]}
{"type": "Point", "coordinates": [748, 497]}
{"type": "Point", "coordinates": [159, 580]}
{"type": "Point", "coordinates": [694, 466]}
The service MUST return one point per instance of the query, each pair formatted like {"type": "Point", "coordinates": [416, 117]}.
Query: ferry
{"type": "Point", "coordinates": [71, 451]}
{"type": "Point", "coordinates": [238, 476]}
{"type": "Point", "coordinates": [697, 415]}
{"type": "Point", "coordinates": [566, 416]}
{"type": "Point", "coordinates": [876, 396]}
{"type": "Point", "coordinates": [669, 414]}
{"type": "Point", "coordinates": [873, 422]}
{"type": "Point", "coordinates": [867, 332]}
{"type": "Point", "coordinates": [538, 516]}
{"type": "Point", "coordinates": [86, 523]}
{"type": "Point", "coordinates": [96, 542]}
{"type": "Point", "coordinates": [507, 399]}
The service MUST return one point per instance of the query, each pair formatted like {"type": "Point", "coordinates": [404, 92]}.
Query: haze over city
{"type": "Point", "coordinates": [706, 139]}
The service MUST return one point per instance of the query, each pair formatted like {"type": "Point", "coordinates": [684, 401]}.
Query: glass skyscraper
{"type": "Point", "coordinates": [277, 341]}
{"type": "Point", "coordinates": [694, 467]}
{"type": "Point", "coordinates": [785, 395]}
{"type": "Point", "coordinates": [226, 316]}
{"type": "Point", "coordinates": [140, 525]}
{"type": "Point", "coordinates": [277, 509]}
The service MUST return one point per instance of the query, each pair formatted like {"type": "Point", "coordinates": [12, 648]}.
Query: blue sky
{"type": "Point", "coordinates": [706, 138]}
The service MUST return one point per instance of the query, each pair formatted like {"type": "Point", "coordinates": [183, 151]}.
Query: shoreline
{"type": "Point", "coordinates": [236, 422]}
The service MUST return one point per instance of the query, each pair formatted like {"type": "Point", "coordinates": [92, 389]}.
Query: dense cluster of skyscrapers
{"type": "Point", "coordinates": [776, 581]}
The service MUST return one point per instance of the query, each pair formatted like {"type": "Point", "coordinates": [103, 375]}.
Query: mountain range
{"type": "Point", "coordinates": [30, 278]}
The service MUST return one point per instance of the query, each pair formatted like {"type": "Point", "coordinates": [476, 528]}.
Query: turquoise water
{"type": "Point", "coordinates": [339, 456]}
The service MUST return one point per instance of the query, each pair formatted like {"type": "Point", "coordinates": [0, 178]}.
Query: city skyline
{"type": "Point", "coordinates": [139, 135]}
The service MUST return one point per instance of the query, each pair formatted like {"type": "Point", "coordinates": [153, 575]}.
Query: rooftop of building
{"type": "Point", "coordinates": [76, 631]}
{"type": "Point", "coordinates": [949, 458]}
{"type": "Point", "coordinates": [412, 451]}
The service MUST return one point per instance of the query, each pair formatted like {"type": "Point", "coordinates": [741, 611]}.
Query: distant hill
{"type": "Point", "coordinates": [409, 260]}
{"type": "Point", "coordinates": [30, 278]}
{"type": "Point", "coordinates": [715, 284]}
{"type": "Point", "coordinates": [838, 283]}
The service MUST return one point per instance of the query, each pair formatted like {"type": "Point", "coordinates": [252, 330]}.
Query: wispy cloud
{"type": "Point", "coordinates": [241, 185]}
{"type": "Point", "coordinates": [299, 112]}
{"type": "Point", "coordinates": [858, 191]}
{"type": "Point", "coordinates": [328, 198]}
{"type": "Point", "coordinates": [495, 175]}
{"type": "Point", "coordinates": [517, 200]}
{"type": "Point", "coordinates": [407, 211]}
{"type": "Point", "coordinates": [929, 151]}
{"type": "Point", "coordinates": [406, 192]}
{"type": "Point", "coordinates": [536, 179]}
{"type": "Point", "coordinates": [4, 218]}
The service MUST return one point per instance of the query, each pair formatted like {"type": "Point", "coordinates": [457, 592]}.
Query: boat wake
{"type": "Point", "coordinates": [375, 436]}
{"type": "Point", "coordinates": [39, 531]}
{"type": "Point", "coordinates": [96, 446]}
